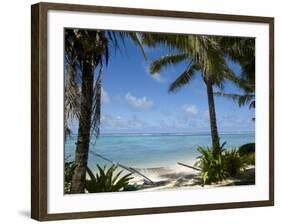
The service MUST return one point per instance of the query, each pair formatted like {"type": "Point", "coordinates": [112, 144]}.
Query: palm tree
{"type": "Point", "coordinates": [85, 53]}
{"type": "Point", "coordinates": [204, 56]}
{"type": "Point", "coordinates": [241, 99]}
{"type": "Point", "coordinates": [241, 51]}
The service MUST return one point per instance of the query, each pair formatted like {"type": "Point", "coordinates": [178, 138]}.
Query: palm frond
{"type": "Point", "coordinates": [96, 110]}
{"type": "Point", "coordinates": [137, 41]}
{"type": "Point", "coordinates": [166, 60]}
{"type": "Point", "coordinates": [183, 78]}
{"type": "Point", "coordinates": [241, 51]}
{"type": "Point", "coordinates": [180, 42]}
{"type": "Point", "coordinates": [252, 104]}
{"type": "Point", "coordinates": [241, 99]}
{"type": "Point", "coordinates": [72, 89]}
{"type": "Point", "coordinates": [245, 99]}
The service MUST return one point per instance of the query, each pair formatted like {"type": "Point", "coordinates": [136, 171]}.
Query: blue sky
{"type": "Point", "coordinates": [133, 101]}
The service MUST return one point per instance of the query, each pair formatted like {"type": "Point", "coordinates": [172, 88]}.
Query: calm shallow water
{"type": "Point", "coordinates": [153, 150]}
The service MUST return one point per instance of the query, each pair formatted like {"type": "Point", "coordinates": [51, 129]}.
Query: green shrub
{"type": "Point", "coordinates": [106, 181]}
{"type": "Point", "coordinates": [130, 188]}
{"type": "Point", "coordinates": [250, 159]}
{"type": "Point", "coordinates": [68, 173]}
{"type": "Point", "coordinates": [234, 163]}
{"type": "Point", "coordinates": [217, 165]}
{"type": "Point", "coordinates": [212, 165]}
{"type": "Point", "coordinates": [246, 149]}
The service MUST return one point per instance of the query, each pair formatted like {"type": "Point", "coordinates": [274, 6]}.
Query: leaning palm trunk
{"type": "Point", "coordinates": [212, 114]}
{"type": "Point", "coordinates": [83, 139]}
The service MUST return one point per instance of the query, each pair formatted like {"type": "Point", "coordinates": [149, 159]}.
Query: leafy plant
{"type": "Point", "coordinates": [246, 149]}
{"type": "Point", "coordinates": [106, 181]}
{"type": "Point", "coordinates": [217, 165]}
{"type": "Point", "coordinates": [68, 173]}
{"type": "Point", "coordinates": [250, 159]}
{"type": "Point", "coordinates": [234, 163]}
{"type": "Point", "coordinates": [212, 164]}
{"type": "Point", "coordinates": [131, 188]}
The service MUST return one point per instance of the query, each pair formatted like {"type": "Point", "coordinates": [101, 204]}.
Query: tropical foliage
{"type": "Point", "coordinates": [241, 51]}
{"type": "Point", "coordinates": [107, 180]}
{"type": "Point", "coordinates": [212, 164]}
{"type": "Point", "coordinates": [247, 151]}
{"type": "Point", "coordinates": [203, 55]}
{"type": "Point", "coordinates": [234, 163]}
{"type": "Point", "coordinates": [250, 159]}
{"type": "Point", "coordinates": [68, 173]}
{"type": "Point", "coordinates": [217, 166]}
{"type": "Point", "coordinates": [86, 52]}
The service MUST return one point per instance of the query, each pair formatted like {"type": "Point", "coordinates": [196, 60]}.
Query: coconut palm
{"type": "Point", "coordinates": [241, 51]}
{"type": "Point", "coordinates": [86, 52]}
{"type": "Point", "coordinates": [204, 56]}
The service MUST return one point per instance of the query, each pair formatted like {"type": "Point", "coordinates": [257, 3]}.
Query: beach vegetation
{"type": "Point", "coordinates": [234, 163]}
{"type": "Point", "coordinates": [218, 165]}
{"type": "Point", "coordinates": [246, 149]}
{"type": "Point", "coordinates": [212, 164]}
{"type": "Point", "coordinates": [131, 187]}
{"type": "Point", "coordinates": [250, 158]}
{"type": "Point", "coordinates": [68, 173]}
{"type": "Point", "coordinates": [106, 180]}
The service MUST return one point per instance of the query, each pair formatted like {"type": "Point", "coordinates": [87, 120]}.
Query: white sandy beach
{"type": "Point", "coordinates": [180, 177]}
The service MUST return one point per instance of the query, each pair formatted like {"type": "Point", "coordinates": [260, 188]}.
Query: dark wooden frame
{"type": "Point", "coordinates": [39, 110]}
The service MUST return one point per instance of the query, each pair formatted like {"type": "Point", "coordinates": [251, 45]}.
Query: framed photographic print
{"type": "Point", "coordinates": [138, 111]}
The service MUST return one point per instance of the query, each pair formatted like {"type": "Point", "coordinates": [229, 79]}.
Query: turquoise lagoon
{"type": "Point", "coordinates": [152, 150]}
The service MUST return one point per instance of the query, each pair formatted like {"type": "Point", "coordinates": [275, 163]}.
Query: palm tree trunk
{"type": "Point", "coordinates": [83, 139]}
{"type": "Point", "coordinates": [212, 114]}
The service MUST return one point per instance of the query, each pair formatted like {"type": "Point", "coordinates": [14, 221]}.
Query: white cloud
{"type": "Point", "coordinates": [102, 118]}
{"type": "Point", "coordinates": [206, 114]}
{"type": "Point", "coordinates": [190, 109]}
{"type": "Point", "coordinates": [117, 98]}
{"type": "Point", "coordinates": [138, 103]}
{"type": "Point", "coordinates": [156, 76]}
{"type": "Point", "coordinates": [104, 96]}
{"type": "Point", "coordinates": [121, 123]}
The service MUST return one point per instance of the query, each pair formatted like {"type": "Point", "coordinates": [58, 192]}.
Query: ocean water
{"type": "Point", "coordinates": [153, 150]}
